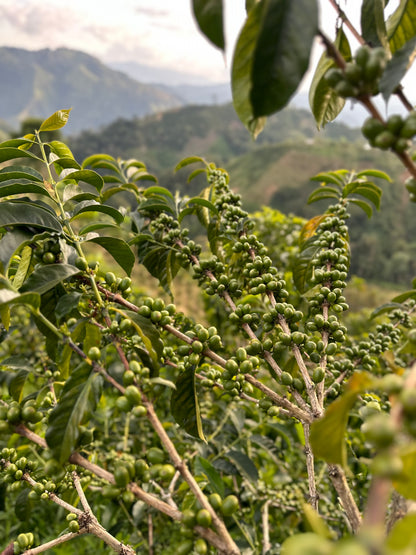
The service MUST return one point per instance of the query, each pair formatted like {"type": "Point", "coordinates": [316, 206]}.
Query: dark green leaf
{"type": "Point", "coordinates": [79, 399]}
{"type": "Point", "coordinates": [148, 333]}
{"type": "Point", "coordinates": [142, 175]}
{"type": "Point", "coordinates": [195, 173]}
{"type": "Point", "coordinates": [281, 56]}
{"type": "Point", "coordinates": [401, 25]}
{"type": "Point", "coordinates": [8, 297]}
{"type": "Point", "coordinates": [11, 153]}
{"type": "Point", "coordinates": [363, 205]}
{"type": "Point", "coordinates": [325, 103]}
{"type": "Point", "coordinates": [330, 177]}
{"type": "Point", "coordinates": [366, 190]}
{"type": "Point", "coordinates": [67, 304]}
{"type": "Point", "coordinates": [373, 28]}
{"type": "Point", "coordinates": [241, 72]}
{"type": "Point", "coordinates": [323, 193]}
{"type": "Point", "coordinates": [387, 307]}
{"type": "Point", "coordinates": [184, 404]}
{"type": "Point", "coordinates": [244, 464]}
{"type": "Point", "coordinates": [397, 67]}
{"type": "Point", "coordinates": [20, 172]}
{"type": "Point", "coordinates": [198, 201]}
{"type": "Point", "coordinates": [20, 187]}
{"type": "Point", "coordinates": [188, 161]}
{"type": "Point", "coordinates": [27, 214]}
{"type": "Point", "coordinates": [47, 277]}
{"type": "Point", "coordinates": [202, 466]}
{"type": "Point", "coordinates": [94, 227]}
{"type": "Point", "coordinates": [118, 249]}
{"type": "Point", "coordinates": [56, 121]}
{"type": "Point", "coordinates": [93, 206]}
{"type": "Point", "coordinates": [209, 16]}
{"type": "Point", "coordinates": [17, 384]}
{"type": "Point", "coordinates": [155, 191]}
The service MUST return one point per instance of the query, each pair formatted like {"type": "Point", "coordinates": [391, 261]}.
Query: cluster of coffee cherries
{"type": "Point", "coordinates": [361, 75]}
{"type": "Point", "coordinates": [395, 133]}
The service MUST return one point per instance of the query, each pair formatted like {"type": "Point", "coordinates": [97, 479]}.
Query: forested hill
{"type": "Point", "coordinates": [275, 171]}
{"type": "Point", "coordinates": [214, 132]}
{"type": "Point", "coordinates": [37, 83]}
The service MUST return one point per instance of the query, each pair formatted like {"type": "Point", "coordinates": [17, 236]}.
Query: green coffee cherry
{"type": "Point", "coordinates": [229, 505]}
{"type": "Point", "coordinates": [81, 263]}
{"type": "Point", "coordinates": [94, 353]}
{"type": "Point", "coordinates": [133, 395]}
{"type": "Point", "coordinates": [379, 430]}
{"type": "Point", "coordinates": [203, 518]}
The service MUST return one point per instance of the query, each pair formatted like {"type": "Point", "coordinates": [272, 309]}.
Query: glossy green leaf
{"type": "Point", "coordinates": [198, 201]}
{"type": "Point", "coordinates": [12, 153]}
{"type": "Point", "coordinates": [148, 333]}
{"type": "Point", "coordinates": [244, 464]}
{"type": "Point", "coordinates": [195, 173]}
{"type": "Point", "coordinates": [87, 176]}
{"type": "Point", "coordinates": [374, 173]}
{"type": "Point", "coordinates": [241, 72]}
{"type": "Point", "coordinates": [404, 296]}
{"type": "Point", "coordinates": [401, 25]}
{"type": "Point", "coordinates": [119, 250]}
{"type": "Point", "coordinates": [20, 172]}
{"type": "Point", "coordinates": [27, 214]}
{"type": "Point", "coordinates": [67, 304]}
{"type": "Point", "coordinates": [328, 434]}
{"type": "Point", "coordinates": [397, 68]}
{"type": "Point", "coordinates": [323, 193]}
{"type": "Point", "coordinates": [367, 190]}
{"type": "Point", "coordinates": [387, 307]}
{"type": "Point", "coordinates": [152, 191]}
{"type": "Point", "coordinates": [90, 228]}
{"type": "Point", "coordinates": [363, 205]}
{"type": "Point", "coordinates": [325, 103]}
{"type": "Point", "coordinates": [95, 160]}
{"type": "Point", "coordinates": [373, 27]}
{"type": "Point", "coordinates": [20, 187]}
{"type": "Point", "coordinates": [17, 384]}
{"type": "Point", "coordinates": [202, 466]}
{"type": "Point", "coordinates": [56, 121]}
{"type": "Point", "coordinates": [184, 404]}
{"type": "Point", "coordinates": [60, 149]}
{"type": "Point", "coordinates": [93, 206]}
{"type": "Point", "coordinates": [330, 177]}
{"type": "Point", "coordinates": [21, 142]}
{"type": "Point", "coordinates": [142, 175]}
{"type": "Point", "coordinates": [79, 399]}
{"type": "Point", "coordinates": [47, 277]}
{"type": "Point", "coordinates": [282, 52]}
{"type": "Point", "coordinates": [209, 16]}
{"type": "Point", "coordinates": [189, 160]}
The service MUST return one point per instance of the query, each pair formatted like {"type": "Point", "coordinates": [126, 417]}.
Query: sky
{"type": "Point", "coordinates": [151, 32]}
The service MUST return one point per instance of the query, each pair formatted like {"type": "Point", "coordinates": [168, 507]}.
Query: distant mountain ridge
{"type": "Point", "coordinates": [37, 83]}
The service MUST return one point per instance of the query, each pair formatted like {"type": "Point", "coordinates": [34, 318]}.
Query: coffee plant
{"type": "Point", "coordinates": [260, 426]}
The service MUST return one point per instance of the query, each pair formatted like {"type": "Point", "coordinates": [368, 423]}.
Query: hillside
{"type": "Point", "coordinates": [275, 171]}
{"type": "Point", "coordinates": [37, 83]}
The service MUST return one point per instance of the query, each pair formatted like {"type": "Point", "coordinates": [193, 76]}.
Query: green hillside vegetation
{"type": "Point", "coordinates": [36, 83]}
{"type": "Point", "coordinates": [274, 171]}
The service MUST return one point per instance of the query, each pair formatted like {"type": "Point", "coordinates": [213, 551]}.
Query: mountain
{"type": "Point", "coordinates": [37, 83]}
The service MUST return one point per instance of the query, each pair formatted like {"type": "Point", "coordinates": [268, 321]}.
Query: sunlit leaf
{"type": "Point", "coordinates": [309, 229]}
{"type": "Point", "coordinates": [56, 121]}
{"type": "Point", "coordinates": [401, 25]}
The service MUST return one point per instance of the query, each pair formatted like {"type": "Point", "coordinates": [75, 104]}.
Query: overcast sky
{"type": "Point", "coordinates": [152, 32]}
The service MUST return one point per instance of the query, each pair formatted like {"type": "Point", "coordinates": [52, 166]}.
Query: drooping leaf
{"type": "Point", "coordinates": [363, 205]}
{"type": "Point", "coordinates": [373, 27]}
{"type": "Point", "coordinates": [202, 466]}
{"type": "Point", "coordinates": [282, 52]}
{"type": "Point", "coordinates": [241, 72]}
{"type": "Point", "coordinates": [8, 297]}
{"type": "Point", "coordinates": [387, 307]}
{"type": "Point", "coordinates": [67, 304]}
{"type": "Point", "coordinates": [189, 160]}
{"type": "Point", "coordinates": [93, 206]}
{"type": "Point", "coordinates": [405, 296]}
{"type": "Point", "coordinates": [13, 213]}
{"type": "Point", "coordinates": [374, 173]}
{"type": "Point", "coordinates": [148, 333]}
{"type": "Point", "coordinates": [155, 190]}
{"type": "Point", "coordinates": [328, 433]}
{"type": "Point", "coordinates": [184, 404]}
{"type": "Point", "coordinates": [325, 103]}
{"type": "Point", "coordinates": [367, 190]}
{"type": "Point", "coordinates": [79, 399]}
{"type": "Point", "coordinates": [20, 187]}
{"type": "Point", "coordinates": [323, 193]}
{"type": "Point", "coordinates": [244, 464]}
{"type": "Point", "coordinates": [330, 177]}
{"type": "Point", "coordinates": [119, 250]}
{"type": "Point", "coordinates": [209, 16]}
{"type": "Point", "coordinates": [397, 68]}
{"type": "Point", "coordinates": [401, 25]}
{"type": "Point", "coordinates": [88, 176]}
{"type": "Point", "coordinates": [56, 121]}
{"type": "Point", "coordinates": [47, 277]}
{"type": "Point", "coordinates": [20, 172]}
{"type": "Point", "coordinates": [12, 153]}
{"type": "Point", "coordinates": [96, 159]}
